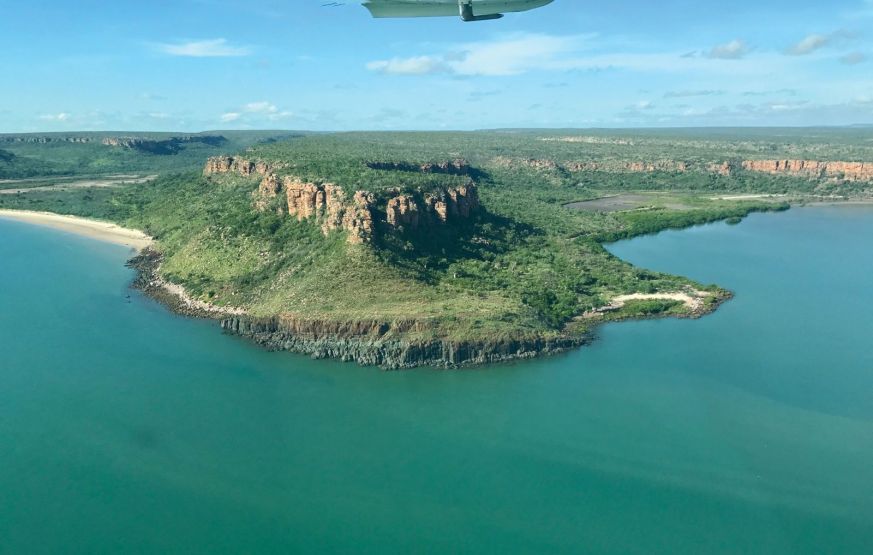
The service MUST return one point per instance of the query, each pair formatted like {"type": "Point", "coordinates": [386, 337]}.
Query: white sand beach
{"type": "Point", "coordinates": [103, 231]}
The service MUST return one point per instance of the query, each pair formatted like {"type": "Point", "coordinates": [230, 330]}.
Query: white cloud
{"type": "Point", "coordinates": [215, 48]}
{"type": "Point", "coordinates": [515, 55]}
{"type": "Point", "coordinates": [808, 45]}
{"type": "Point", "coordinates": [254, 112]}
{"type": "Point", "coordinates": [418, 65]}
{"type": "Point", "coordinates": [63, 116]}
{"type": "Point", "coordinates": [508, 56]}
{"type": "Point", "coordinates": [260, 108]}
{"type": "Point", "coordinates": [268, 109]}
{"type": "Point", "coordinates": [691, 93]}
{"type": "Point", "coordinates": [787, 106]}
{"type": "Point", "coordinates": [522, 54]}
{"type": "Point", "coordinates": [733, 50]}
{"type": "Point", "coordinates": [854, 58]}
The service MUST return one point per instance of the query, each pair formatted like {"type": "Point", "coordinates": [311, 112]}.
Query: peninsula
{"type": "Point", "coordinates": [425, 249]}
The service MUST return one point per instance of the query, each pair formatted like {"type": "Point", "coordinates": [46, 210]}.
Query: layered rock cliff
{"type": "Point", "coordinates": [29, 139]}
{"type": "Point", "coordinates": [811, 169]}
{"type": "Point", "coordinates": [609, 166]}
{"type": "Point", "coordinates": [238, 165]}
{"type": "Point", "coordinates": [847, 171]}
{"type": "Point", "coordinates": [367, 342]}
{"type": "Point", "coordinates": [459, 166]}
{"type": "Point", "coordinates": [170, 145]}
{"type": "Point", "coordinates": [630, 167]}
{"type": "Point", "coordinates": [374, 343]}
{"type": "Point", "coordinates": [357, 213]}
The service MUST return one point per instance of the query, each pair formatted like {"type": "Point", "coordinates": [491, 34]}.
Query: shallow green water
{"type": "Point", "coordinates": [124, 429]}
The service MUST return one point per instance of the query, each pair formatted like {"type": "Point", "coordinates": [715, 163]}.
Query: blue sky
{"type": "Point", "coordinates": [191, 65]}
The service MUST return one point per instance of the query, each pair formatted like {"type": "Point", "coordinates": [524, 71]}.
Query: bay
{"type": "Point", "coordinates": [126, 429]}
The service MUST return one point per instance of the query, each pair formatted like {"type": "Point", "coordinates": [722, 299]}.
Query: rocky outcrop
{"type": "Point", "coordinates": [589, 140]}
{"type": "Point", "coordinates": [845, 171]}
{"type": "Point", "coordinates": [170, 145]}
{"type": "Point", "coordinates": [329, 205]}
{"type": "Point", "coordinates": [458, 166]}
{"type": "Point", "coordinates": [237, 165]}
{"type": "Point", "coordinates": [333, 208]}
{"type": "Point", "coordinates": [609, 166]}
{"type": "Point", "coordinates": [403, 211]}
{"type": "Point", "coordinates": [457, 202]}
{"type": "Point", "coordinates": [671, 166]}
{"type": "Point", "coordinates": [725, 169]}
{"type": "Point", "coordinates": [375, 343]}
{"type": "Point", "coordinates": [811, 169]}
{"type": "Point", "coordinates": [31, 139]}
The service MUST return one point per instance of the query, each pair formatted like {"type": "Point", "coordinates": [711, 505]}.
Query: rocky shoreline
{"type": "Point", "coordinates": [382, 350]}
{"type": "Point", "coordinates": [365, 343]}
{"type": "Point", "coordinates": [146, 265]}
{"type": "Point", "coordinates": [368, 343]}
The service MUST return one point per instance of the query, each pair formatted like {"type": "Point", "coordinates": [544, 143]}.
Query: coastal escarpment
{"type": "Point", "coordinates": [356, 212]}
{"type": "Point", "coordinates": [809, 169]}
{"type": "Point", "coordinates": [373, 343]}
{"type": "Point", "coordinates": [366, 342]}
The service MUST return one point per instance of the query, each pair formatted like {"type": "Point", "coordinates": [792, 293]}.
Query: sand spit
{"type": "Point", "coordinates": [692, 301]}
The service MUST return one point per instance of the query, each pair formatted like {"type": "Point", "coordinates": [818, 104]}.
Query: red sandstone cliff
{"type": "Point", "coordinates": [235, 164]}
{"type": "Point", "coordinates": [335, 209]}
{"type": "Point", "coordinates": [812, 169]}
{"type": "Point", "coordinates": [848, 171]}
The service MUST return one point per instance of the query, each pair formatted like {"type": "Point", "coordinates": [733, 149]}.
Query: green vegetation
{"type": "Point", "coordinates": [85, 155]}
{"type": "Point", "coordinates": [528, 265]}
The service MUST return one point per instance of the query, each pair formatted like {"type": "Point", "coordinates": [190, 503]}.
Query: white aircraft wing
{"type": "Point", "coordinates": [401, 8]}
{"type": "Point", "coordinates": [468, 10]}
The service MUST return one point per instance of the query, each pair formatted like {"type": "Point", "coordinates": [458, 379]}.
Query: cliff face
{"type": "Point", "coordinates": [171, 145]}
{"type": "Point", "coordinates": [374, 343]}
{"type": "Point", "coordinates": [812, 169]}
{"type": "Point", "coordinates": [358, 212]}
{"type": "Point", "coordinates": [235, 164]}
{"type": "Point", "coordinates": [609, 166]}
{"type": "Point", "coordinates": [26, 139]}
{"type": "Point", "coordinates": [631, 167]}
{"type": "Point", "coordinates": [848, 171]}
{"type": "Point", "coordinates": [453, 167]}
{"type": "Point", "coordinates": [335, 209]}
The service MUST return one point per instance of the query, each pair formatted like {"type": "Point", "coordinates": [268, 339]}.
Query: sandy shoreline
{"type": "Point", "coordinates": [102, 231]}
{"type": "Point", "coordinates": [136, 240]}
{"type": "Point", "coordinates": [693, 301]}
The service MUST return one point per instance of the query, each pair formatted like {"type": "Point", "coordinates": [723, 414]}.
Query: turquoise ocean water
{"type": "Point", "coordinates": [125, 429]}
